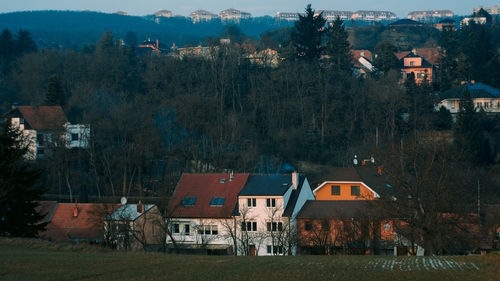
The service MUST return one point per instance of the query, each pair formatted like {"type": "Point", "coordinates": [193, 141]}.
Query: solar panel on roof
{"type": "Point", "coordinates": [188, 201]}
{"type": "Point", "coordinates": [217, 201]}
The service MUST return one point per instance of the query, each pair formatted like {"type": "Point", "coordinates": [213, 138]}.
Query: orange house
{"type": "Point", "coordinates": [417, 65]}
{"type": "Point", "coordinates": [352, 183]}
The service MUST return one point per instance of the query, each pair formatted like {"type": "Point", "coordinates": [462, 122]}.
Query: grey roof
{"type": "Point", "coordinates": [266, 185]}
{"type": "Point", "coordinates": [476, 90]}
{"type": "Point", "coordinates": [128, 212]}
{"type": "Point", "coordinates": [327, 209]}
{"type": "Point", "coordinates": [293, 198]}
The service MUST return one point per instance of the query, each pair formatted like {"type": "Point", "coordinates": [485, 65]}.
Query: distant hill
{"type": "Point", "coordinates": [73, 29]}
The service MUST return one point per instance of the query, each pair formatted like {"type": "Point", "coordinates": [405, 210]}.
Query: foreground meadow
{"type": "Point", "coordinates": [45, 261]}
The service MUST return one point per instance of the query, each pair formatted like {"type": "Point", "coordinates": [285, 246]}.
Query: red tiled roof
{"type": "Point", "coordinates": [43, 117]}
{"type": "Point", "coordinates": [357, 54]}
{"type": "Point", "coordinates": [205, 187]}
{"type": "Point", "coordinates": [86, 225]}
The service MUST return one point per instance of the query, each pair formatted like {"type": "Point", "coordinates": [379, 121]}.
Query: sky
{"type": "Point", "coordinates": [256, 7]}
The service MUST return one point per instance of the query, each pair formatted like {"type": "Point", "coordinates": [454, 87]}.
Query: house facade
{"type": "Point", "coordinates": [413, 63]}
{"type": "Point", "coordinates": [135, 227]}
{"type": "Point", "coordinates": [201, 213]}
{"type": "Point", "coordinates": [233, 15]}
{"type": "Point", "coordinates": [483, 96]}
{"type": "Point", "coordinates": [46, 127]}
{"type": "Point", "coordinates": [267, 208]}
{"type": "Point", "coordinates": [202, 16]}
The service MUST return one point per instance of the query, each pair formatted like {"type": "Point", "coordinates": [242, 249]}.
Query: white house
{"type": "Point", "coordinates": [484, 97]}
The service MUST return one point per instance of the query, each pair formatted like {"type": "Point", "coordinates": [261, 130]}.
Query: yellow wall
{"type": "Point", "coordinates": [325, 193]}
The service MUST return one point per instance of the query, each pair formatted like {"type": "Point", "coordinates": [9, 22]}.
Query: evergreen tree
{"type": "Point", "coordinates": [339, 48]}
{"type": "Point", "coordinates": [385, 59]}
{"type": "Point", "coordinates": [24, 43]}
{"type": "Point", "coordinates": [443, 119]}
{"type": "Point", "coordinates": [55, 93]}
{"type": "Point", "coordinates": [307, 34]}
{"type": "Point", "coordinates": [449, 53]}
{"type": "Point", "coordinates": [18, 187]}
{"type": "Point", "coordinates": [468, 135]}
{"type": "Point", "coordinates": [131, 39]}
{"type": "Point", "coordinates": [478, 51]}
{"type": "Point", "coordinates": [6, 51]}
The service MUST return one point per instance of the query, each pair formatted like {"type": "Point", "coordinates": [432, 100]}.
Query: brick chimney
{"type": "Point", "coordinates": [295, 180]}
{"type": "Point", "coordinates": [75, 209]}
{"type": "Point", "coordinates": [140, 207]}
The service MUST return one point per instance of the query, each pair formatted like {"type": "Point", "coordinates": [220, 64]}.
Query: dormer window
{"type": "Point", "coordinates": [188, 201]}
{"type": "Point", "coordinates": [412, 63]}
{"type": "Point", "coordinates": [217, 201]}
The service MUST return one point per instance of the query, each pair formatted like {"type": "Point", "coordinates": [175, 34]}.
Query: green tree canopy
{"type": "Point", "coordinates": [385, 59]}
{"type": "Point", "coordinates": [339, 48]}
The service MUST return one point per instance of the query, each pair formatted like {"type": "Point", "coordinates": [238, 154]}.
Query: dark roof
{"type": "Point", "coordinates": [406, 22]}
{"type": "Point", "coordinates": [47, 209]}
{"type": "Point", "coordinates": [266, 185]}
{"type": "Point", "coordinates": [425, 63]}
{"type": "Point", "coordinates": [326, 209]}
{"type": "Point", "coordinates": [41, 117]}
{"type": "Point", "coordinates": [293, 198]}
{"type": "Point", "coordinates": [476, 90]}
{"type": "Point", "coordinates": [204, 187]}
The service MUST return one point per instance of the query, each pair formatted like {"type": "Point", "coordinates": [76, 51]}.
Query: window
{"type": "Point", "coordinates": [325, 225]}
{"type": "Point", "coordinates": [355, 190]}
{"type": "Point", "coordinates": [249, 226]}
{"type": "Point", "coordinates": [154, 229]}
{"type": "Point", "coordinates": [274, 226]}
{"type": "Point", "coordinates": [74, 137]}
{"type": "Point", "coordinates": [275, 250]}
{"type": "Point", "coordinates": [208, 230]}
{"type": "Point", "coordinates": [187, 229]}
{"type": "Point", "coordinates": [412, 63]}
{"type": "Point", "coordinates": [308, 226]}
{"type": "Point", "coordinates": [217, 201]}
{"type": "Point", "coordinates": [387, 226]}
{"type": "Point", "coordinates": [175, 228]}
{"type": "Point", "coordinates": [251, 202]}
{"type": "Point", "coordinates": [271, 202]}
{"type": "Point", "coordinates": [188, 201]}
{"type": "Point", "coordinates": [39, 138]}
{"type": "Point", "coordinates": [335, 189]}
{"type": "Point", "coordinates": [420, 75]}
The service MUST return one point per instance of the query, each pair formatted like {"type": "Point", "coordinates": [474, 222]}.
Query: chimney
{"type": "Point", "coordinates": [414, 51]}
{"type": "Point", "coordinates": [156, 43]}
{"type": "Point", "coordinates": [472, 81]}
{"type": "Point", "coordinates": [295, 180]}
{"type": "Point", "coordinates": [362, 54]}
{"type": "Point", "coordinates": [140, 207]}
{"type": "Point", "coordinates": [75, 209]}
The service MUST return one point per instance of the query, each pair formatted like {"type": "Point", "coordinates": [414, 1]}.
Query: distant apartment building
{"type": "Point", "coordinates": [164, 13]}
{"type": "Point", "coordinates": [201, 16]}
{"type": "Point", "coordinates": [373, 15]}
{"type": "Point", "coordinates": [285, 16]}
{"type": "Point", "coordinates": [476, 20]}
{"type": "Point", "coordinates": [331, 15]}
{"type": "Point", "coordinates": [430, 15]}
{"type": "Point", "coordinates": [491, 10]}
{"type": "Point", "coordinates": [233, 15]}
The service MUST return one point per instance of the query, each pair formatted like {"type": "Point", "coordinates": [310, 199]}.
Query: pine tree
{"type": "Point", "coordinates": [468, 135]}
{"type": "Point", "coordinates": [307, 34]}
{"type": "Point", "coordinates": [55, 93]}
{"type": "Point", "coordinates": [339, 48]}
{"type": "Point", "coordinates": [385, 59]}
{"type": "Point", "coordinates": [19, 188]}
{"type": "Point", "coordinates": [24, 43]}
{"type": "Point", "coordinates": [449, 53]}
{"type": "Point", "coordinates": [6, 51]}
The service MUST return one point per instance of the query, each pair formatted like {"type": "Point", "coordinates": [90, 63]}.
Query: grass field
{"type": "Point", "coordinates": [34, 260]}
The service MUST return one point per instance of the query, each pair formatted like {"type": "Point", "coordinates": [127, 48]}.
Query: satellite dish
{"type": "Point", "coordinates": [123, 200]}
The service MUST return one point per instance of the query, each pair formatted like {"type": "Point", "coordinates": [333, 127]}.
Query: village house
{"type": "Point", "coordinates": [46, 127]}
{"type": "Point", "coordinates": [484, 97]}
{"type": "Point", "coordinates": [135, 227]}
{"type": "Point", "coordinates": [74, 222]}
{"type": "Point", "coordinates": [416, 64]}
{"type": "Point", "coordinates": [267, 207]}
{"type": "Point", "coordinates": [363, 62]}
{"type": "Point", "coordinates": [200, 214]}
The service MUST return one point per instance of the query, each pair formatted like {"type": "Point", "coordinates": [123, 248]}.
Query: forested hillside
{"type": "Point", "coordinates": [153, 117]}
